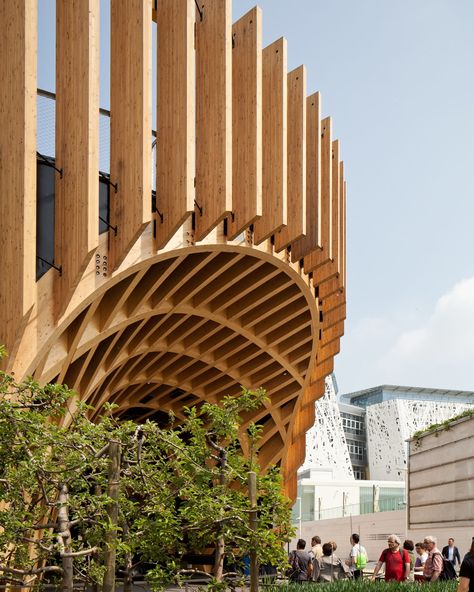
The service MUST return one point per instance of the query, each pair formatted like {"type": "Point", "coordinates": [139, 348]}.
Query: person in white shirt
{"type": "Point", "coordinates": [357, 549]}
{"type": "Point", "coordinates": [420, 562]}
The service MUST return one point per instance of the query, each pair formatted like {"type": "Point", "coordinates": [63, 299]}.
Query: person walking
{"type": "Point", "coordinates": [420, 561]}
{"type": "Point", "coordinates": [434, 564]}
{"type": "Point", "coordinates": [397, 561]}
{"type": "Point", "coordinates": [329, 567]}
{"type": "Point", "coordinates": [358, 557]}
{"type": "Point", "coordinates": [409, 547]}
{"type": "Point", "coordinates": [301, 564]}
{"type": "Point", "coordinates": [451, 552]}
{"type": "Point", "coordinates": [466, 573]}
{"type": "Point", "coordinates": [316, 548]}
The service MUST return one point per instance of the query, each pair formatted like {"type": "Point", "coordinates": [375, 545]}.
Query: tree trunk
{"type": "Point", "coordinates": [128, 580]}
{"type": "Point", "coordinates": [253, 528]}
{"type": "Point", "coordinates": [108, 584]}
{"type": "Point", "coordinates": [65, 537]}
{"type": "Point", "coordinates": [220, 543]}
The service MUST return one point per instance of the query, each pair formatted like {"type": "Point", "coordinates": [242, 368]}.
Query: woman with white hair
{"type": "Point", "coordinates": [397, 561]}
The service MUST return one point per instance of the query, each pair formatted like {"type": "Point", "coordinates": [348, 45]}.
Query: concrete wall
{"type": "Point", "coordinates": [441, 478]}
{"type": "Point", "coordinates": [374, 530]}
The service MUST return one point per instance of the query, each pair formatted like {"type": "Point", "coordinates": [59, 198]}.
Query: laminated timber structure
{"type": "Point", "coordinates": [232, 273]}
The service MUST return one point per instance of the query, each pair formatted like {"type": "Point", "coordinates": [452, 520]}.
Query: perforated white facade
{"type": "Point", "coordinates": [326, 445]}
{"type": "Point", "coordinates": [390, 423]}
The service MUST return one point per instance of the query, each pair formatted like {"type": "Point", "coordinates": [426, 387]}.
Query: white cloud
{"type": "Point", "coordinates": [434, 349]}
{"type": "Point", "coordinates": [439, 352]}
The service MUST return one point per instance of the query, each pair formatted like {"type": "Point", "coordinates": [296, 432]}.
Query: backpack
{"type": "Point", "coordinates": [448, 573]}
{"type": "Point", "coordinates": [294, 570]}
{"type": "Point", "coordinates": [361, 558]}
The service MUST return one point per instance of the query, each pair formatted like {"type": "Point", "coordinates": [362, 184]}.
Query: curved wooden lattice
{"type": "Point", "coordinates": [238, 274]}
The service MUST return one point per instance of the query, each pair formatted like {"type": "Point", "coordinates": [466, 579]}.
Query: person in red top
{"type": "Point", "coordinates": [397, 561]}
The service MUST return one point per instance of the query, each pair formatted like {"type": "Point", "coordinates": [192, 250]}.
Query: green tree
{"type": "Point", "coordinates": [79, 498]}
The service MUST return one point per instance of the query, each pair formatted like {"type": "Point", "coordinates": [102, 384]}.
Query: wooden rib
{"type": "Point", "coordinates": [344, 237]}
{"type": "Point", "coordinates": [246, 122]}
{"type": "Point", "coordinates": [340, 226]}
{"type": "Point", "coordinates": [213, 116]}
{"type": "Point", "coordinates": [312, 238]}
{"type": "Point", "coordinates": [324, 254]}
{"type": "Point", "coordinates": [77, 142]}
{"type": "Point", "coordinates": [175, 119]}
{"type": "Point", "coordinates": [335, 171]}
{"type": "Point", "coordinates": [274, 141]}
{"type": "Point", "coordinates": [296, 154]}
{"type": "Point", "coordinates": [17, 169]}
{"type": "Point", "coordinates": [130, 124]}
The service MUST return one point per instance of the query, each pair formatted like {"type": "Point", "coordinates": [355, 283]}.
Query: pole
{"type": "Point", "coordinates": [253, 528]}
{"type": "Point", "coordinates": [108, 584]}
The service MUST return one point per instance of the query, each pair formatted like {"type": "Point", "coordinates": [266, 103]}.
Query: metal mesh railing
{"type": "Point", "coordinates": [388, 504]}
{"type": "Point", "coordinates": [45, 135]}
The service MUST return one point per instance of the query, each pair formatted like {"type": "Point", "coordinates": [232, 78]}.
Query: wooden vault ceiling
{"type": "Point", "coordinates": [188, 328]}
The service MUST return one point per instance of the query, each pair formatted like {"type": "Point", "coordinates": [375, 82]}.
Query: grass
{"type": "Point", "coordinates": [361, 586]}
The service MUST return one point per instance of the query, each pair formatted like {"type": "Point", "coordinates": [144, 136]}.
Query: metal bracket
{"type": "Point", "coordinates": [59, 269]}
{"type": "Point", "coordinates": [49, 163]}
{"type": "Point", "coordinates": [114, 228]}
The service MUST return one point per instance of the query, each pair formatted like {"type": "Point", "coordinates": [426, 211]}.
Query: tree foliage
{"type": "Point", "coordinates": [182, 488]}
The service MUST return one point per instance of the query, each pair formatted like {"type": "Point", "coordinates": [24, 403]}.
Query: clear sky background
{"type": "Point", "coordinates": [398, 78]}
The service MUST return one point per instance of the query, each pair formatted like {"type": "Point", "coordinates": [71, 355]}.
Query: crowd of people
{"type": "Point", "coordinates": [422, 562]}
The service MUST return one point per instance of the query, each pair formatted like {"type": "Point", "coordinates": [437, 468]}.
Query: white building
{"type": "Point", "coordinates": [365, 435]}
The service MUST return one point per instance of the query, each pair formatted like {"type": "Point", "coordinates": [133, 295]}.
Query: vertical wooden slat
{"type": "Point", "coordinates": [213, 115]}
{"type": "Point", "coordinates": [175, 119]}
{"type": "Point", "coordinates": [130, 124]}
{"type": "Point", "coordinates": [274, 141]}
{"type": "Point", "coordinates": [296, 155]}
{"type": "Point", "coordinates": [324, 254]}
{"type": "Point", "coordinates": [340, 256]}
{"type": "Point", "coordinates": [17, 167]}
{"type": "Point", "coordinates": [246, 122]}
{"type": "Point", "coordinates": [312, 238]}
{"type": "Point", "coordinates": [77, 141]}
{"type": "Point", "coordinates": [335, 171]}
{"type": "Point", "coordinates": [344, 236]}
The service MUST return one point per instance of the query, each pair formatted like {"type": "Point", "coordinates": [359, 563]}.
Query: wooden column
{"type": "Point", "coordinates": [246, 122]}
{"type": "Point", "coordinates": [213, 115]}
{"type": "Point", "coordinates": [77, 142]}
{"type": "Point", "coordinates": [335, 202]}
{"type": "Point", "coordinates": [130, 124]}
{"type": "Point", "coordinates": [312, 238]}
{"type": "Point", "coordinates": [175, 119]}
{"type": "Point", "coordinates": [17, 167]}
{"type": "Point", "coordinates": [274, 140]}
{"type": "Point", "coordinates": [296, 156]}
{"type": "Point", "coordinates": [324, 254]}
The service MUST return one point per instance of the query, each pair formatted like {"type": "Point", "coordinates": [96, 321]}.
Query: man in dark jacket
{"type": "Point", "coordinates": [451, 552]}
{"type": "Point", "coordinates": [301, 564]}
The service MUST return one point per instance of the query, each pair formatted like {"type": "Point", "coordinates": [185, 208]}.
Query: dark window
{"type": "Point", "coordinates": [44, 218]}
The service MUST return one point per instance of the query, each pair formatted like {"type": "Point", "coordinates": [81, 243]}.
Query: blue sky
{"type": "Point", "coordinates": [397, 77]}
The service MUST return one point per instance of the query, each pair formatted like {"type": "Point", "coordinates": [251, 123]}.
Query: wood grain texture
{"type": "Point", "coordinates": [175, 119]}
{"type": "Point", "coordinates": [194, 321]}
{"type": "Point", "coordinates": [312, 238]}
{"type": "Point", "coordinates": [340, 226]}
{"type": "Point", "coordinates": [274, 141]}
{"type": "Point", "coordinates": [344, 237]}
{"type": "Point", "coordinates": [77, 142]}
{"type": "Point", "coordinates": [296, 158]}
{"type": "Point", "coordinates": [130, 124]}
{"type": "Point", "coordinates": [213, 115]}
{"type": "Point", "coordinates": [335, 171]}
{"type": "Point", "coordinates": [17, 167]}
{"type": "Point", "coordinates": [320, 256]}
{"type": "Point", "coordinates": [246, 122]}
